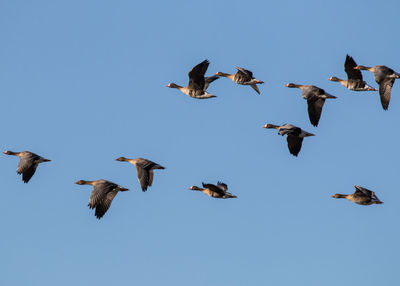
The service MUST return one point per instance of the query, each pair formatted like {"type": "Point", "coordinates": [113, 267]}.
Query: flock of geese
{"type": "Point", "coordinates": [105, 191]}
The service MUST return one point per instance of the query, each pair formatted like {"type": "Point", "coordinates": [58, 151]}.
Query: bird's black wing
{"type": "Point", "coordinates": [209, 80]}
{"type": "Point", "coordinates": [244, 71]}
{"type": "Point", "coordinates": [143, 177]}
{"type": "Point", "coordinates": [214, 188]}
{"type": "Point", "coordinates": [99, 193]}
{"type": "Point", "coordinates": [315, 109]}
{"type": "Point", "coordinates": [385, 89]}
{"type": "Point", "coordinates": [27, 166]}
{"type": "Point", "coordinates": [104, 205]}
{"type": "Point", "coordinates": [196, 76]}
{"type": "Point", "coordinates": [294, 144]}
{"type": "Point", "coordinates": [222, 186]}
{"type": "Point", "coordinates": [349, 65]}
{"type": "Point", "coordinates": [363, 191]}
{"type": "Point", "coordinates": [145, 174]}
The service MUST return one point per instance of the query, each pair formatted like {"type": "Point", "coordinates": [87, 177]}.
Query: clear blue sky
{"type": "Point", "coordinates": [83, 82]}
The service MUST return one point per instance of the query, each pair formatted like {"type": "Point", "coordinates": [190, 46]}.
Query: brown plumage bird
{"type": "Point", "coordinates": [198, 84]}
{"type": "Point", "coordinates": [361, 196]}
{"type": "Point", "coordinates": [294, 134]}
{"type": "Point", "coordinates": [385, 77]}
{"type": "Point", "coordinates": [102, 195]}
{"type": "Point", "coordinates": [243, 77]}
{"type": "Point", "coordinates": [218, 191]}
{"type": "Point", "coordinates": [144, 170]}
{"type": "Point", "coordinates": [354, 77]}
{"type": "Point", "coordinates": [28, 162]}
{"type": "Point", "coordinates": [315, 97]}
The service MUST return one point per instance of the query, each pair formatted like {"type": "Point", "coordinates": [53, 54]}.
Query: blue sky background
{"type": "Point", "coordinates": [83, 82]}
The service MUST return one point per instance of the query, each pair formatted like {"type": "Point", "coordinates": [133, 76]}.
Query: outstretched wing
{"type": "Point", "coordinates": [315, 109]}
{"type": "Point", "coordinates": [385, 89]}
{"type": "Point", "coordinates": [27, 166]}
{"type": "Point", "coordinates": [363, 191]}
{"type": "Point", "coordinates": [99, 193]}
{"type": "Point", "coordinates": [245, 72]}
{"type": "Point", "coordinates": [145, 174]}
{"type": "Point", "coordinates": [104, 205]}
{"type": "Point", "coordinates": [143, 177]}
{"type": "Point", "coordinates": [222, 186]}
{"type": "Point", "coordinates": [214, 188]}
{"type": "Point", "coordinates": [294, 144]}
{"type": "Point", "coordinates": [196, 76]}
{"type": "Point", "coordinates": [349, 65]}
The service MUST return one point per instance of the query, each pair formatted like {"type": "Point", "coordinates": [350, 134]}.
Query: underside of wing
{"type": "Point", "coordinates": [315, 110]}
{"type": "Point", "coordinates": [385, 90]}
{"type": "Point", "coordinates": [294, 144]}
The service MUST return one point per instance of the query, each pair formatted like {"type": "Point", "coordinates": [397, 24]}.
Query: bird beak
{"type": "Point", "coordinates": [264, 126]}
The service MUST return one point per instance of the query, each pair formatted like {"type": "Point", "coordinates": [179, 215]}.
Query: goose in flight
{"type": "Point", "coordinates": [315, 97]}
{"type": "Point", "coordinates": [354, 77]}
{"type": "Point", "coordinates": [102, 195]}
{"type": "Point", "coordinates": [243, 77]}
{"type": "Point", "coordinates": [218, 191]}
{"type": "Point", "coordinates": [361, 196]}
{"type": "Point", "coordinates": [384, 77]}
{"type": "Point", "coordinates": [144, 170]}
{"type": "Point", "coordinates": [294, 134]}
{"type": "Point", "coordinates": [28, 162]}
{"type": "Point", "coordinates": [198, 84]}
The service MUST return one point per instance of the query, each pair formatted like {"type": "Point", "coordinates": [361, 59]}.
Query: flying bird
{"type": "Point", "coordinates": [218, 191]}
{"type": "Point", "coordinates": [144, 170]}
{"type": "Point", "coordinates": [315, 97]}
{"type": "Point", "coordinates": [243, 77]}
{"type": "Point", "coordinates": [361, 196]}
{"type": "Point", "coordinates": [102, 195]}
{"type": "Point", "coordinates": [385, 77]}
{"type": "Point", "coordinates": [198, 84]}
{"type": "Point", "coordinates": [354, 77]}
{"type": "Point", "coordinates": [294, 134]}
{"type": "Point", "coordinates": [28, 162]}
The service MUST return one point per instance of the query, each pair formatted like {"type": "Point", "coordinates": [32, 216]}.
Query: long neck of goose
{"type": "Point", "coordinates": [13, 153]}
{"type": "Point", "coordinates": [178, 86]}
{"type": "Point", "coordinates": [341, 196]}
{"type": "Point", "coordinates": [88, 182]}
{"type": "Point", "coordinates": [337, 79]}
{"type": "Point", "coordinates": [224, 74]}
{"type": "Point", "coordinates": [271, 126]}
{"type": "Point", "coordinates": [364, 68]}
{"type": "Point", "coordinates": [296, 86]}
{"type": "Point", "coordinates": [196, 188]}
